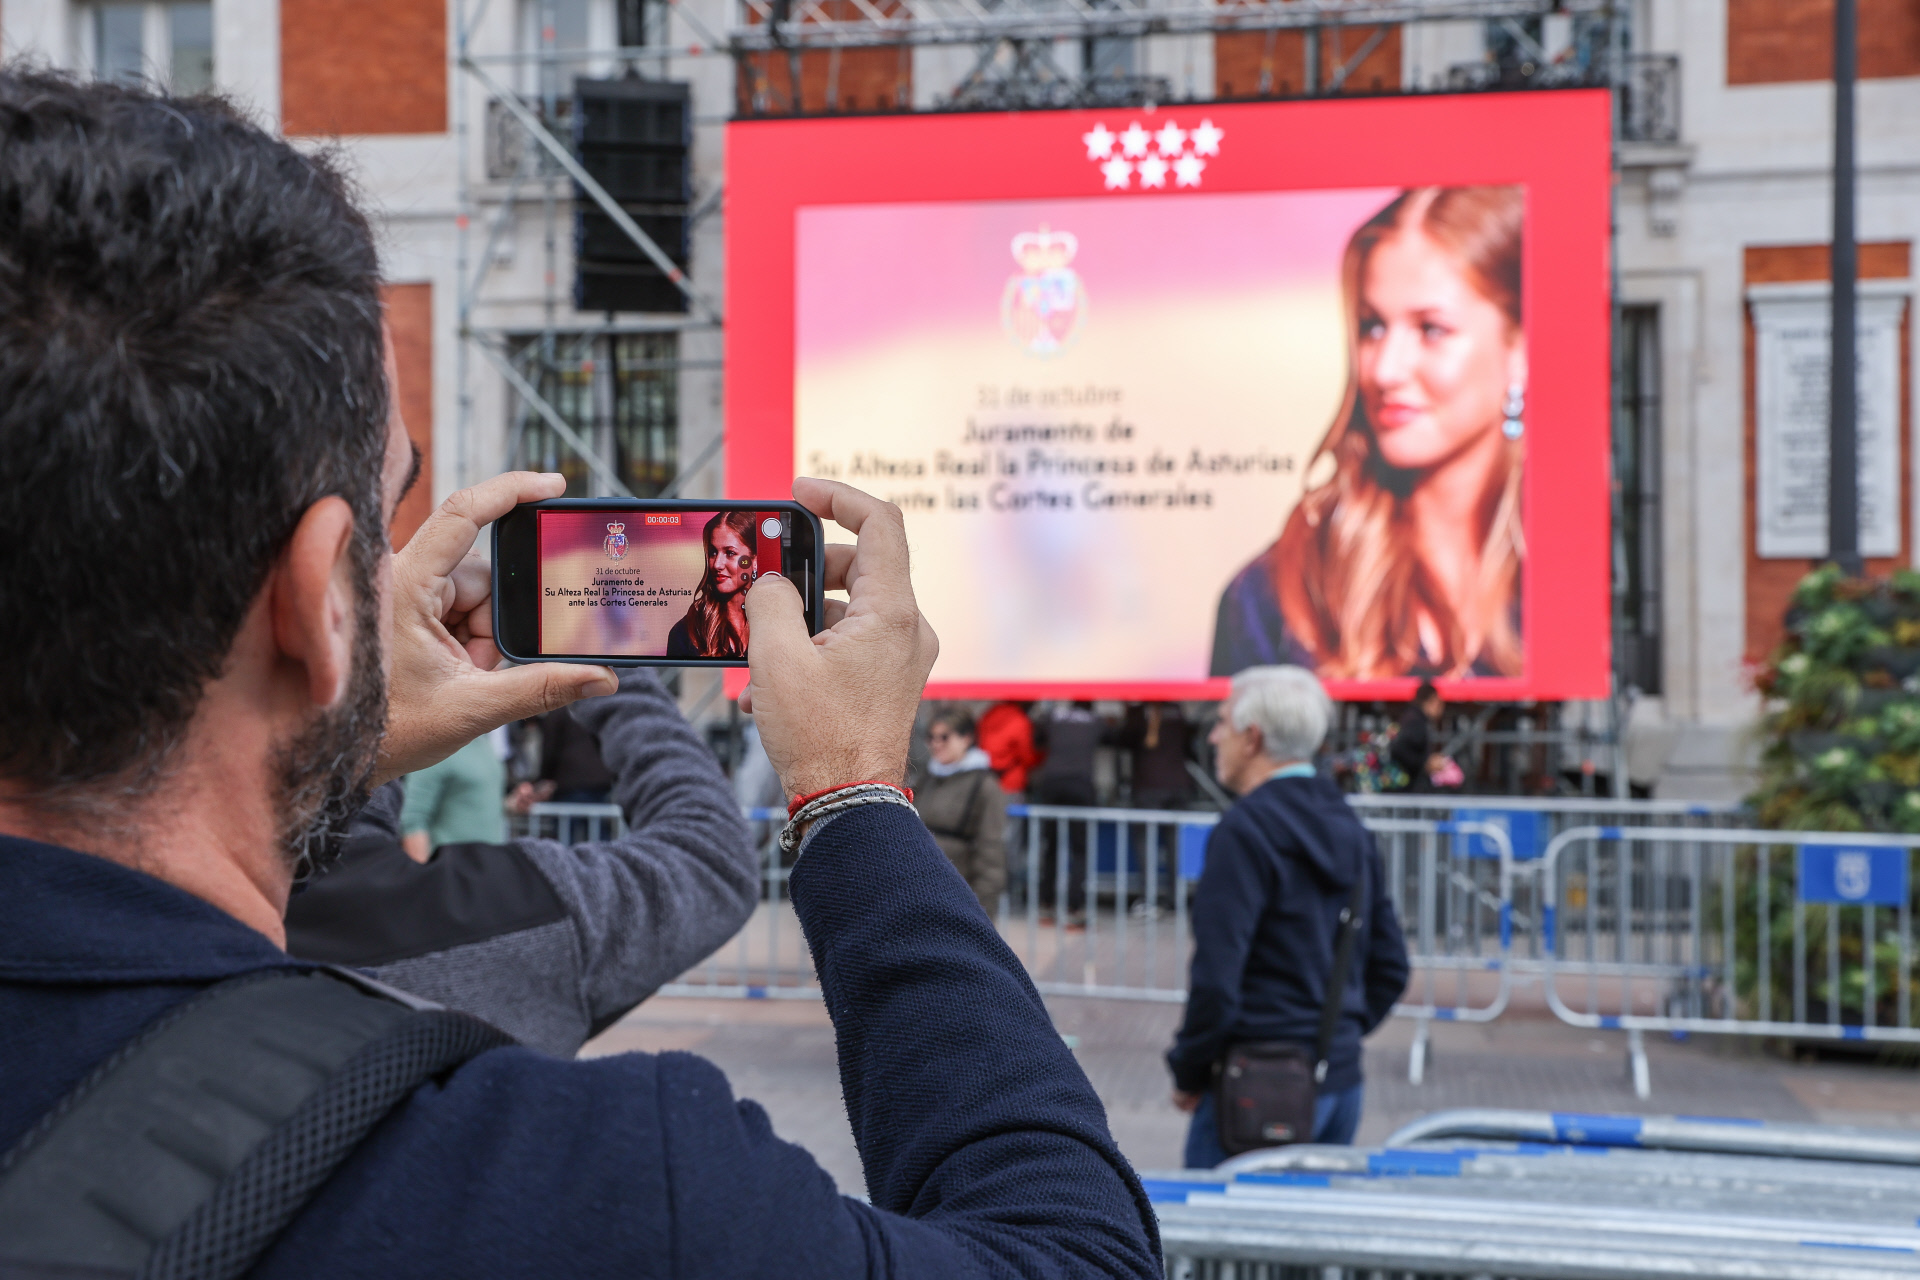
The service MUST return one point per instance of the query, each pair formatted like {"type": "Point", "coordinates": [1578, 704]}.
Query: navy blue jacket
{"type": "Point", "coordinates": [1280, 866]}
{"type": "Point", "coordinates": [986, 1151]}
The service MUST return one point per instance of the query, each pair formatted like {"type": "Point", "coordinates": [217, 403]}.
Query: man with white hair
{"type": "Point", "coordinates": [1286, 869]}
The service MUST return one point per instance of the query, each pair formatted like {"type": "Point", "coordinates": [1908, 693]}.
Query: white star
{"type": "Point", "coordinates": [1099, 142]}
{"type": "Point", "coordinates": [1206, 139]}
{"type": "Point", "coordinates": [1118, 171]}
{"type": "Point", "coordinates": [1134, 141]}
{"type": "Point", "coordinates": [1170, 139]}
{"type": "Point", "coordinates": [1153, 172]}
{"type": "Point", "coordinates": [1186, 171]}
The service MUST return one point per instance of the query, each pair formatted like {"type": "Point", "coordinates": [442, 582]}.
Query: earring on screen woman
{"type": "Point", "coordinates": [1513, 427]}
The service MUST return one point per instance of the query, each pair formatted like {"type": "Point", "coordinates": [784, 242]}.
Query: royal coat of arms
{"type": "Point", "coordinates": [616, 541]}
{"type": "Point", "coordinates": [1044, 304]}
{"type": "Point", "coordinates": [1853, 875]}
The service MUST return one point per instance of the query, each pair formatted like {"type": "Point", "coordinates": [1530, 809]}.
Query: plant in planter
{"type": "Point", "coordinates": [1842, 753]}
{"type": "Point", "coordinates": [1843, 729]}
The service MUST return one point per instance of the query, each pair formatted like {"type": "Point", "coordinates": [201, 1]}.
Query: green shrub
{"type": "Point", "coordinates": [1842, 731]}
{"type": "Point", "coordinates": [1841, 753]}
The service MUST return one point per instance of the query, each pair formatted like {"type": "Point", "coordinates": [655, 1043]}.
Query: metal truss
{"type": "Point", "coordinates": [556, 164]}
{"type": "Point", "coordinates": [1023, 75]}
{"type": "Point", "coordinates": [786, 25]}
{"type": "Point", "coordinates": [563, 156]}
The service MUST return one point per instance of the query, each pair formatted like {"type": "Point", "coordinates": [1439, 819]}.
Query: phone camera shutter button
{"type": "Point", "coordinates": [770, 527]}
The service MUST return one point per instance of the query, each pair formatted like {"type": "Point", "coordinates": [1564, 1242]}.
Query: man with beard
{"type": "Point", "coordinates": [198, 461]}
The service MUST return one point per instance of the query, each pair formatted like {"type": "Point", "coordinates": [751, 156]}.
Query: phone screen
{"type": "Point", "coordinates": [652, 584]}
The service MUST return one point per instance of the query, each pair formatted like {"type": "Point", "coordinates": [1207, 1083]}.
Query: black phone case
{"type": "Point", "coordinates": [813, 595]}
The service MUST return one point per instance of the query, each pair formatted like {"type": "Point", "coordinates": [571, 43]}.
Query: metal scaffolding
{"type": "Point", "coordinates": [780, 25]}
{"type": "Point", "coordinates": [526, 146]}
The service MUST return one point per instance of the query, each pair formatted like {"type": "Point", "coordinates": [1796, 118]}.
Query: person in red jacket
{"type": "Point", "coordinates": [1006, 735]}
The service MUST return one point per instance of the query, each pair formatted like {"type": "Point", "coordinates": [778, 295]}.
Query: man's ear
{"type": "Point", "coordinates": [313, 600]}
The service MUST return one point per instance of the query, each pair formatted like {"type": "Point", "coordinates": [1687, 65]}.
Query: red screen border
{"type": "Point", "coordinates": [1558, 144]}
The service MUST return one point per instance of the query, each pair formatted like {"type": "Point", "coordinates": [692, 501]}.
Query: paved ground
{"type": "Point", "coordinates": [780, 1053]}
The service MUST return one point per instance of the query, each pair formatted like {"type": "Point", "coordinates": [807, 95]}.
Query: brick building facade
{"type": "Point", "coordinates": [1712, 221]}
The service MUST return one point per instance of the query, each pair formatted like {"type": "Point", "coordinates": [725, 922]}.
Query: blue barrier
{"type": "Point", "coordinates": [1527, 832]}
{"type": "Point", "coordinates": [1851, 877]}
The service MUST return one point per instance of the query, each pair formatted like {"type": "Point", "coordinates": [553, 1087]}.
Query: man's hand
{"type": "Point", "coordinates": [1185, 1101]}
{"type": "Point", "coordinates": [444, 691]}
{"type": "Point", "coordinates": [838, 707]}
{"type": "Point", "coordinates": [525, 795]}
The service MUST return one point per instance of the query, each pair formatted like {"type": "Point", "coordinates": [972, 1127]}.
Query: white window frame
{"type": "Point", "coordinates": [156, 41]}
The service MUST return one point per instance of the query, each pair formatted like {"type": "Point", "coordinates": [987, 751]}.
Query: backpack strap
{"type": "Point", "coordinates": [1352, 917]}
{"type": "Point", "coordinates": [185, 1154]}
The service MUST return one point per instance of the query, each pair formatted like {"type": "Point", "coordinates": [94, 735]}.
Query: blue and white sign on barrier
{"type": "Point", "coordinates": [1526, 831]}
{"type": "Point", "coordinates": [1853, 876]}
{"type": "Point", "coordinates": [1193, 850]}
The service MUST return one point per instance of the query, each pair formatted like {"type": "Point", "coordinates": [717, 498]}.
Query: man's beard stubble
{"type": "Point", "coordinates": [324, 770]}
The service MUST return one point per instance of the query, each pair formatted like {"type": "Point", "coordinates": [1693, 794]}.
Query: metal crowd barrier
{"type": "Point", "coordinates": [1531, 822]}
{"type": "Point", "coordinates": [1630, 927]}
{"type": "Point", "coordinates": [1537, 1210]}
{"type": "Point", "coordinates": [1457, 914]}
{"type": "Point", "coordinates": [1450, 881]}
{"type": "Point", "coordinates": [1805, 935]}
{"type": "Point", "coordinates": [1704, 1134]}
{"type": "Point", "coordinates": [569, 823]}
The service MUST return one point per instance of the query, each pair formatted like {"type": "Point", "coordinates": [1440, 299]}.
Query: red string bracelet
{"type": "Point", "coordinates": [794, 805]}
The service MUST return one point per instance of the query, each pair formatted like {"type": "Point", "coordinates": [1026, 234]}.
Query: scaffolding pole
{"type": "Point", "coordinates": [470, 68]}
{"type": "Point", "coordinates": [785, 26]}
{"type": "Point", "coordinates": [594, 191]}
{"type": "Point", "coordinates": [538, 403]}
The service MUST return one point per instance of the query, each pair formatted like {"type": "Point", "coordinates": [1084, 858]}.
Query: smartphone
{"type": "Point", "coordinates": [634, 583]}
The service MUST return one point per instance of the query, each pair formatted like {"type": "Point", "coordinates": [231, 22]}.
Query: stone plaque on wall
{"type": "Point", "coordinates": [1792, 333]}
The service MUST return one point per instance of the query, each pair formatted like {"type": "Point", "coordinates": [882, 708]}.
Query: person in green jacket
{"type": "Point", "coordinates": [461, 800]}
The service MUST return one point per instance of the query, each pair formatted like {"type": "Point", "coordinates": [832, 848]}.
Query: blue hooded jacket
{"type": "Point", "coordinates": [1280, 867]}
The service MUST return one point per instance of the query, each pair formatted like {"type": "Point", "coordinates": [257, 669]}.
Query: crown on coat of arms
{"type": "Point", "coordinates": [1044, 250]}
{"type": "Point", "coordinates": [617, 526]}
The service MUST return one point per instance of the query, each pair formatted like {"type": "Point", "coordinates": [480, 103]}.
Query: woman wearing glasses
{"type": "Point", "coordinates": [961, 802]}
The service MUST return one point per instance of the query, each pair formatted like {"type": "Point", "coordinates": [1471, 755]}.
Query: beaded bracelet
{"type": "Point", "coordinates": [837, 800]}
{"type": "Point", "coordinates": [800, 802]}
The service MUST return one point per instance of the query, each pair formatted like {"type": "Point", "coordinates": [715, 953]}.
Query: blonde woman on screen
{"type": "Point", "coordinates": [716, 621]}
{"type": "Point", "coordinates": [1405, 559]}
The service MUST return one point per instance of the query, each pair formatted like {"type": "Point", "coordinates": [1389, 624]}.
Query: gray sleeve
{"type": "Point", "coordinates": [651, 905]}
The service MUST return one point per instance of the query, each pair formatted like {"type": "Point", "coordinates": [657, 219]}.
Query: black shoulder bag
{"type": "Point", "coordinates": [1265, 1092]}
{"type": "Point", "coordinates": [185, 1154]}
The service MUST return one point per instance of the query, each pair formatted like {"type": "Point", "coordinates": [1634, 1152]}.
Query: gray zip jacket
{"type": "Point", "coordinates": [551, 942]}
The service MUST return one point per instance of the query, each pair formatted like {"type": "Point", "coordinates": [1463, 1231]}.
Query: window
{"type": "Point", "coordinates": [1636, 499]}
{"type": "Point", "coordinates": [621, 395]}
{"type": "Point", "coordinates": [166, 44]}
{"type": "Point", "coordinates": [576, 26]}
{"type": "Point", "coordinates": [642, 23]}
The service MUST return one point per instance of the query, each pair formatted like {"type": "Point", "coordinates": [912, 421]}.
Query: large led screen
{"type": "Point", "coordinates": [1166, 394]}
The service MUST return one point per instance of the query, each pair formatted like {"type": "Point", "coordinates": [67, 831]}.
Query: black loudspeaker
{"type": "Point", "coordinates": [633, 137]}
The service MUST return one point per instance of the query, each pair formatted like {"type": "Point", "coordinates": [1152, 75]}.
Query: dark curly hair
{"type": "Point", "coordinates": [190, 356]}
